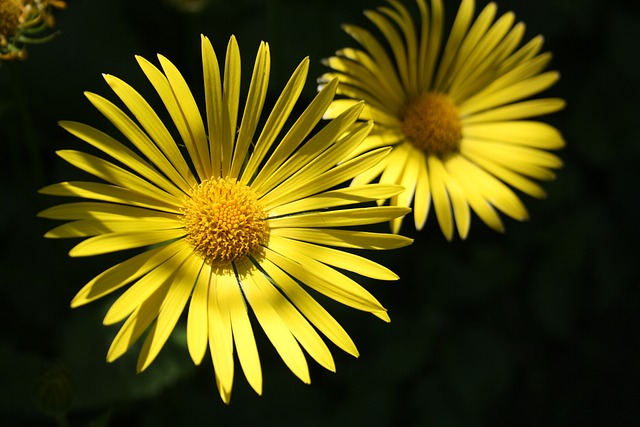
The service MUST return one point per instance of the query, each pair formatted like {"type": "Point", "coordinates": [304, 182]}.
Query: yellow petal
{"type": "Point", "coordinates": [344, 238]}
{"type": "Point", "coordinates": [495, 95]}
{"type": "Point", "coordinates": [276, 120]}
{"type": "Point", "coordinates": [408, 180]}
{"type": "Point", "coordinates": [306, 183]}
{"type": "Point", "coordinates": [339, 106]}
{"type": "Point", "coordinates": [310, 308]}
{"type": "Point", "coordinates": [532, 134]}
{"type": "Point", "coordinates": [430, 40]}
{"type": "Point", "coordinates": [341, 217]}
{"type": "Point", "coordinates": [377, 140]}
{"type": "Point", "coordinates": [520, 110]}
{"type": "Point", "coordinates": [191, 126]}
{"type": "Point", "coordinates": [166, 86]}
{"type": "Point", "coordinates": [231, 99]}
{"type": "Point", "coordinates": [422, 197]}
{"type": "Point", "coordinates": [460, 206]}
{"type": "Point", "coordinates": [470, 45]}
{"type": "Point", "coordinates": [373, 172]}
{"type": "Point", "coordinates": [509, 176]}
{"type": "Point", "coordinates": [214, 106]}
{"type": "Point", "coordinates": [252, 108]}
{"type": "Point", "coordinates": [229, 295]}
{"type": "Point", "coordinates": [341, 197]}
{"type": "Point", "coordinates": [120, 241]}
{"type": "Point", "coordinates": [480, 53]}
{"type": "Point", "coordinates": [169, 157]}
{"type": "Point", "coordinates": [401, 16]}
{"type": "Point", "coordinates": [341, 259]}
{"type": "Point", "coordinates": [397, 45]}
{"type": "Point", "coordinates": [125, 272]}
{"type": "Point", "coordinates": [313, 148]}
{"type": "Point", "coordinates": [274, 327]}
{"type": "Point", "coordinates": [523, 55]}
{"type": "Point", "coordinates": [383, 67]}
{"type": "Point", "coordinates": [117, 150]}
{"type": "Point", "coordinates": [295, 322]}
{"type": "Point", "coordinates": [220, 337]}
{"type": "Point", "coordinates": [139, 292]}
{"type": "Point", "coordinates": [108, 193]}
{"type": "Point", "coordinates": [497, 193]}
{"type": "Point", "coordinates": [101, 211]}
{"type": "Point", "coordinates": [198, 317]}
{"type": "Point", "coordinates": [524, 160]}
{"type": "Point", "coordinates": [322, 278]}
{"type": "Point", "coordinates": [182, 283]}
{"type": "Point", "coordinates": [137, 323]}
{"type": "Point", "coordinates": [441, 202]}
{"type": "Point", "coordinates": [458, 169]}
{"type": "Point", "coordinates": [395, 165]}
{"type": "Point", "coordinates": [488, 67]}
{"type": "Point", "coordinates": [113, 174]}
{"type": "Point", "coordinates": [356, 78]}
{"type": "Point", "coordinates": [458, 31]}
{"type": "Point", "coordinates": [295, 136]}
{"type": "Point", "coordinates": [90, 227]}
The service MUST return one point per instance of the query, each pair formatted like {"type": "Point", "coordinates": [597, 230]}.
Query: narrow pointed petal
{"type": "Point", "coordinates": [163, 152]}
{"type": "Point", "coordinates": [229, 295]}
{"type": "Point", "coordinates": [273, 326]}
{"type": "Point", "coordinates": [323, 279]}
{"type": "Point", "coordinates": [121, 274]}
{"type": "Point", "coordinates": [108, 193]}
{"type": "Point", "coordinates": [220, 336]}
{"type": "Point", "coordinates": [173, 305]}
{"type": "Point", "coordinates": [194, 127]}
{"type": "Point", "coordinates": [138, 322]}
{"type": "Point", "coordinates": [276, 120]}
{"type": "Point", "coordinates": [344, 238]}
{"type": "Point", "coordinates": [422, 197]}
{"type": "Point", "coordinates": [252, 109]}
{"type": "Point", "coordinates": [139, 292]}
{"type": "Point", "coordinates": [113, 242]}
{"type": "Point", "coordinates": [198, 317]}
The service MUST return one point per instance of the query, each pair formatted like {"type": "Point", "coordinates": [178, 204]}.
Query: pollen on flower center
{"type": "Point", "coordinates": [224, 220]}
{"type": "Point", "coordinates": [432, 124]}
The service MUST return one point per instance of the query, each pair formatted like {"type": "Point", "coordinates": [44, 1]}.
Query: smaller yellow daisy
{"type": "Point", "coordinates": [456, 113]}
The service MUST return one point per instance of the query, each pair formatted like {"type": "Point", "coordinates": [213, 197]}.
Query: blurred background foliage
{"type": "Point", "coordinates": [534, 327]}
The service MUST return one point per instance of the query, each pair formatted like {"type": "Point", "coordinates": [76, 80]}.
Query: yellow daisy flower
{"type": "Point", "coordinates": [454, 112]}
{"type": "Point", "coordinates": [240, 219]}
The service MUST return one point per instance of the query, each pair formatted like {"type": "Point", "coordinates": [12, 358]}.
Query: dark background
{"type": "Point", "coordinates": [535, 327]}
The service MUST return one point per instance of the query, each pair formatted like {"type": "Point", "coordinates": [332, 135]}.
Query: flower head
{"type": "Point", "coordinates": [22, 22]}
{"type": "Point", "coordinates": [241, 219]}
{"type": "Point", "coordinates": [456, 113]}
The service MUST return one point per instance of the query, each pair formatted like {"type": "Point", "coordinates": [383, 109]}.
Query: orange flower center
{"type": "Point", "coordinates": [432, 124]}
{"type": "Point", "coordinates": [224, 220]}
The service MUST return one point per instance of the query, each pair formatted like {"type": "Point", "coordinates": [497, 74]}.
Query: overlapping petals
{"type": "Point", "coordinates": [488, 75]}
{"type": "Point", "coordinates": [295, 173]}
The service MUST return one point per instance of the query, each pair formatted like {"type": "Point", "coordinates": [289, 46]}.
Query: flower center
{"type": "Point", "coordinates": [10, 12]}
{"type": "Point", "coordinates": [432, 124]}
{"type": "Point", "coordinates": [224, 220]}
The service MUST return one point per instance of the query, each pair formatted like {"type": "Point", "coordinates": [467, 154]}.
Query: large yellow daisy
{"type": "Point", "coordinates": [238, 219]}
{"type": "Point", "coordinates": [456, 113]}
